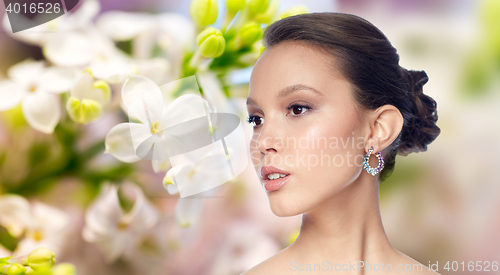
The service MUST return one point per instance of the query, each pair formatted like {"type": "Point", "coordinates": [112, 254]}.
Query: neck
{"type": "Point", "coordinates": [345, 228]}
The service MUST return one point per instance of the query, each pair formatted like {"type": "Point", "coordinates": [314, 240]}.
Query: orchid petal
{"type": "Point", "coordinates": [10, 95]}
{"type": "Point", "coordinates": [143, 99]}
{"type": "Point", "coordinates": [50, 220]}
{"type": "Point", "coordinates": [159, 165]}
{"type": "Point", "coordinates": [41, 111]}
{"type": "Point", "coordinates": [26, 73]}
{"type": "Point", "coordinates": [15, 214]}
{"type": "Point", "coordinates": [160, 150]}
{"type": "Point", "coordinates": [211, 171]}
{"type": "Point", "coordinates": [58, 79]}
{"type": "Point", "coordinates": [169, 180]}
{"type": "Point", "coordinates": [84, 88]}
{"type": "Point", "coordinates": [82, 17]}
{"type": "Point", "coordinates": [114, 246]}
{"type": "Point", "coordinates": [103, 216]}
{"type": "Point", "coordinates": [111, 69]}
{"type": "Point", "coordinates": [68, 49]}
{"type": "Point", "coordinates": [172, 189]}
{"type": "Point", "coordinates": [143, 214]}
{"type": "Point", "coordinates": [151, 148]}
{"type": "Point", "coordinates": [176, 33]}
{"type": "Point", "coordinates": [188, 211]}
{"type": "Point", "coordinates": [185, 108]}
{"type": "Point", "coordinates": [121, 26]}
{"type": "Point", "coordinates": [119, 143]}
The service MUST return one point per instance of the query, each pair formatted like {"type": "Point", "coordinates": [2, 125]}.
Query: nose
{"type": "Point", "coordinates": [268, 140]}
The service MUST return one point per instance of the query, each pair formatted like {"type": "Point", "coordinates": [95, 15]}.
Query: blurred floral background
{"type": "Point", "coordinates": [69, 182]}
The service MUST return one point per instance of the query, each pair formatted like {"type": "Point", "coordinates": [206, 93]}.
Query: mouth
{"type": "Point", "coordinates": [273, 178]}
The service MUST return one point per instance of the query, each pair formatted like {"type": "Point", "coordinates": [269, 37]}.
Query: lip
{"type": "Point", "coordinates": [273, 185]}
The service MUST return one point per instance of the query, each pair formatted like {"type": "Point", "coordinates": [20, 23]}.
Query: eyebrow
{"type": "Point", "coordinates": [290, 90]}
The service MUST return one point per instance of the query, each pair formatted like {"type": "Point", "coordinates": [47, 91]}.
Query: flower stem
{"type": "Point", "coordinates": [195, 60]}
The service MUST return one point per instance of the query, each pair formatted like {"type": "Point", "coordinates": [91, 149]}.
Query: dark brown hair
{"type": "Point", "coordinates": [369, 61]}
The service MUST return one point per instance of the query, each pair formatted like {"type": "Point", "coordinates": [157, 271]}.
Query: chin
{"type": "Point", "coordinates": [284, 206]}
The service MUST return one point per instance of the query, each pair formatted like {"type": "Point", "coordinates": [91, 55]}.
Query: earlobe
{"type": "Point", "coordinates": [385, 127]}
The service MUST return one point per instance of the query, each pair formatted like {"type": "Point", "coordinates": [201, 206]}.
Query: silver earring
{"type": "Point", "coordinates": [366, 164]}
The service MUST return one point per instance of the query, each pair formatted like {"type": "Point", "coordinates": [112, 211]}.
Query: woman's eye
{"type": "Point", "coordinates": [255, 120]}
{"type": "Point", "coordinates": [296, 110]}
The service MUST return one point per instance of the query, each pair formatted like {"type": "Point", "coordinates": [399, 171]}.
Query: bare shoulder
{"type": "Point", "coordinates": [412, 266]}
{"type": "Point", "coordinates": [277, 264]}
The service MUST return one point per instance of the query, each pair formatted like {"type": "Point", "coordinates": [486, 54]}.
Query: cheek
{"type": "Point", "coordinates": [331, 152]}
{"type": "Point", "coordinates": [255, 154]}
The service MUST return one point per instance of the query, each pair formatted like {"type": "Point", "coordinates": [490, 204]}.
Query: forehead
{"type": "Point", "coordinates": [291, 63]}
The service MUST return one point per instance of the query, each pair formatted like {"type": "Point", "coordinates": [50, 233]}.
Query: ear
{"type": "Point", "coordinates": [385, 124]}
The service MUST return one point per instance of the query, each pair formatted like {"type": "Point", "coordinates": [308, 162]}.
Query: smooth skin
{"type": "Point", "coordinates": [297, 93]}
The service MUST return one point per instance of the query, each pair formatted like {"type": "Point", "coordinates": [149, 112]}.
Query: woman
{"type": "Point", "coordinates": [326, 94]}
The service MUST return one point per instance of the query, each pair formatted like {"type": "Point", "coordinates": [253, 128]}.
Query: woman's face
{"type": "Point", "coordinates": [307, 124]}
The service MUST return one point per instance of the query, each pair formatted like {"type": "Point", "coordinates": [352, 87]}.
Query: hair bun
{"type": "Point", "coordinates": [421, 128]}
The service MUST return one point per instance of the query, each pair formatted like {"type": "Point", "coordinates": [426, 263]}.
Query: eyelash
{"type": "Point", "coordinates": [253, 119]}
{"type": "Point", "coordinates": [291, 107]}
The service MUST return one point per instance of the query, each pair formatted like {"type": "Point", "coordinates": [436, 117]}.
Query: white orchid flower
{"type": "Point", "coordinates": [174, 33]}
{"type": "Point", "coordinates": [35, 87]}
{"type": "Point", "coordinates": [73, 41]}
{"type": "Point", "coordinates": [92, 49]}
{"type": "Point", "coordinates": [47, 228]}
{"type": "Point", "coordinates": [107, 62]}
{"type": "Point", "coordinates": [41, 224]}
{"type": "Point", "coordinates": [188, 210]}
{"type": "Point", "coordinates": [209, 171]}
{"type": "Point", "coordinates": [152, 112]}
{"type": "Point", "coordinates": [88, 97]}
{"type": "Point", "coordinates": [112, 229]}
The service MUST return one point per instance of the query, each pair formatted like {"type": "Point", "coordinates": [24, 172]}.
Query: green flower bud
{"type": "Point", "coordinates": [258, 6]}
{"type": "Point", "coordinates": [293, 11]}
{"type": "Point", "coordinates": [84, 111]}
{"type": "Point", "coordinates": [234, 6]}
{"type": "Point", "coordinates": [64, 269]}
{"type": "Point", "coordinates": [211, 42]}
{"type": "Point", "coordinates": [16, 269]}
{"type": "Point", "coordinates": [41, 259]}
{"type": "Point", "coordinates": [204, 12]}
{"type": "Point", "coordinates": [269, 15]}
{"type": "Point", "coordinates": [4, 261]}
{"type": "Point", "coordinates": [250, 32]}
